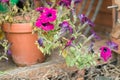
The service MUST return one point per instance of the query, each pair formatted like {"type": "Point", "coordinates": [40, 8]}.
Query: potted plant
{"type": "Point", "coordinates": [56, 28]}
{"type": "Point", "coordinates": [17, 18]}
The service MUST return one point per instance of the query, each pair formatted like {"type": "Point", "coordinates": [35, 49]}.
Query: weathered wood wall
{"type": "Point", "coordinates": [104, 16]}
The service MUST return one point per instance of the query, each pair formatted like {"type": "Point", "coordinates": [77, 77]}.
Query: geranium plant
{"type": "Point", "coordinates": [58, 26]}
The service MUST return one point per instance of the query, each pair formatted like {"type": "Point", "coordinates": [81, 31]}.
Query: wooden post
{"type": "Point", "coordinates": [115, 35]}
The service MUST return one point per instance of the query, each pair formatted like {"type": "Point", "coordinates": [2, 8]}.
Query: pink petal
{"type": "Point", "coordinates": [48, 27]}
{"type": "Point", "coordinates": [105, 53]}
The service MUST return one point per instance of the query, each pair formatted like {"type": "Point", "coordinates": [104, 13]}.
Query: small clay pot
{"type": "Point", "coordinates": [23, 47]}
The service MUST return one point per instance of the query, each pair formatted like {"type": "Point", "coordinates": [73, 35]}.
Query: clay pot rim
{"type": "Point", "coordinates": [17, 27]}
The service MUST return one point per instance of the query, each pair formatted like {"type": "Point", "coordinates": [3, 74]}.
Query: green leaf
{"type": "Point", "coordinates": [13, 2]}
{"type": "Point", "coordinates": [2, 72]}
{"type": "Point", "coordinates": [56, 37]}
{"type": "Point", "coordinates": [48, 48]}
{"type": "Point", "coordinates": [3, 8]}
{"type": "Point", "coordinates": [69, 61]}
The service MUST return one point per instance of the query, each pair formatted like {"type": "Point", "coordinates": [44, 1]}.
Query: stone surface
{"type": "Point", "coordinates": [54, 68]}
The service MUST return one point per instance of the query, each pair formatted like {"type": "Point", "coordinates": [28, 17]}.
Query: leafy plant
{"type": "Point", "coordinates": [17, 11]}
{"type": "Point", "coordinates": [5, 47]}
{"type": "Point", "coordinates": [58, 26]}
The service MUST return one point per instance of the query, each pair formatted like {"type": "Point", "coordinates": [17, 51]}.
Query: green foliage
{"type": "Point", "coordinates": [5, 45]}
{"type": "Point", "coordinates": [3, 8]}
{"type": "Point", "coordinates": [13, 2]}
{"type": "Point", "coordinates": [80, 58]}
{"type": "Point", "coordinates": [48, 48]}
{"type": "Point", "coordinates": [2, 72]}
{"type": "Point", "coordinates": [76, 52]}
{"type": "Point", "coordinates": [9, 11]}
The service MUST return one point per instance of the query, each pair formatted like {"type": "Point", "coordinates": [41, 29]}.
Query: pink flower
{"type": "Point", "coordinates": [66, 26]}
{"type": "Point", "coordinates": [4, 1]}
{"type": "Point", "coordinates": [105, 53]}
{"type": "Point", "coordinates": [40, 9]}
{"type": "Point", "coordinates": [66, 3]}
{"type": "Point", "coordinates": [83, 18]}
{"type": "Point", "coordinates": [112, 45]}
{"type": "Point", "coordinates": [49, 15]}
{"type": "Point", "coordinates": [69, 42]}
{"type": "Point", "coordinates": [44, 26]}
{"type": "Point", "coordinates": [38, 23]}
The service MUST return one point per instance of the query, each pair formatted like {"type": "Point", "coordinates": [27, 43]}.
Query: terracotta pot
{"type": "Point", "coordinates": [23, 47]}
